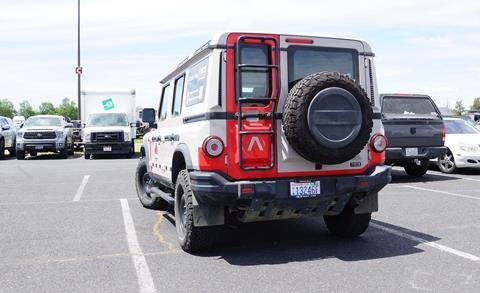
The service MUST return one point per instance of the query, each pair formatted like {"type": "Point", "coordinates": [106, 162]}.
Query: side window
{"type": "Point", "coordinates": [197, 80]}
{"type": "Point", "coordinates": [254, 82]}
{"type": "Point", "coordinates": [162, 113]}
{"type": "Point", "coordinates": [178, 96]}
{"type": "Point", "coordinates": [3, 122]}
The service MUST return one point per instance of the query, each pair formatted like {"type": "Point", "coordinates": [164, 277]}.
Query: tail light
{"type": "Point", "coordinates": [444, 133]}
{"type": "Point", "coordinates": [378, 143]}
{"type": "Point", "coordinates": [213, 146]}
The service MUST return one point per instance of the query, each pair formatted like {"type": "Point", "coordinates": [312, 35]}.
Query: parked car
{"type": "Point", "coordinates": [239, 137]}
{"type": "Point", "coordinates": [77, 133]}
{"type": "Point", "coordinates": [45, 133]}
{"type": "Point", "coordinates": [415, 131]}
{"type": "Point", "coordinates": [7, 136]}
{"type": "Point", "coordinates": [463, 146]}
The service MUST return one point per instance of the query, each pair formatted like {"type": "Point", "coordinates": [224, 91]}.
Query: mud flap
{"type": "Point", "coordinates": [368, 204]}
{"type": "Point", "coordinates": [207, 215]}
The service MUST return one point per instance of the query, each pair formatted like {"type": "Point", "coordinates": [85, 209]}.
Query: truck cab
{"type": "Point", "coordinates": [109, 125]}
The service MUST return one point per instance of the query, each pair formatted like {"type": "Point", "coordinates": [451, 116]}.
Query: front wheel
{"type": "Point", "coordinates": [20, 155]}
{"type": "Point", "coordinates": [190, 237]}
{"type": "Point", "coordinates": [446, 164]}
{"type": "Point", "coordinates": [143, 184]}
{"type": "Point", "coordinates": [415, 170]}
{"type": "Point", "coordinates": [347, 224]}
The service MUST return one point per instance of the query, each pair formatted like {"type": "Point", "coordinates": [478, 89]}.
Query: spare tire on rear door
{"type": "Point", "coordinates": [327, 118]}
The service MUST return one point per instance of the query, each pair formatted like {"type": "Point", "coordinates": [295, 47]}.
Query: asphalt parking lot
{"type": "Point", "coordinates": [76, 226]}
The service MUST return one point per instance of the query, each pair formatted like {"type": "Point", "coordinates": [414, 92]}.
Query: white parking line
{"type": "Point", "coordinates": [425, 242]}
{"type": "Point", "coordinates": [442, 192]}
{"type": "Point", "coordinates": [80, 189]}
{"type": "Point", "coordinates": [145, 281]}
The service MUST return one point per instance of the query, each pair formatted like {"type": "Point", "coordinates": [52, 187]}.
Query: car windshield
{"type": "Point", "coordinates": [460, 127]}
{"type": "Point", "coordinates": [107, 119]}
{"type": "Point", "coordinates": [43, 121]}
{"type": "Point", "coordinates": [408, 107]}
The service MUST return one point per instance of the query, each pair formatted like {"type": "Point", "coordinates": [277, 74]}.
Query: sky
{"type": "Point", "coordinates": [421, 46]}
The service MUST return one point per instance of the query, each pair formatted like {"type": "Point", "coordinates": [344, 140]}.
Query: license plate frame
{"type": "Point", "coordinates": [107, 148]}
{"type": "Point", "coordinates": [305, 189]}
{"type": "Point", "coordinates": [411, 152]}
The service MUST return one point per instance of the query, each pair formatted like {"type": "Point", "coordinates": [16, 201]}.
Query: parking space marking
{"type": "Point", "coordinates": [145, 281]}
{"type": "Point", "coordinates": [442, 192]}
{"type": "Point", "coordinates": [156, 232]}
{"type": "Point", "coordinates": [422, 241]}
{"type": "Point", "coordinates": [80, 189]}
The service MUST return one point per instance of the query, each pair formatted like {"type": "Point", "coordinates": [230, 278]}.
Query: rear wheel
{"type": "Point", "coordinates": [190, 237]}
{"type": "Point", "coordinates": [347, 224]}
{"type": "Point", "coordinates": [446, 164]}
{"type": "Point", "coordinates": [86, 156]}
{"type": "Point", "coordinates": [143, 184]}
{"type": "Point", "coordinates": [415, 170]}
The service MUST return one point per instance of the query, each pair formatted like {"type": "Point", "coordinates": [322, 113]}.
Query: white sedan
{"type": "Point", "coordinates": [463, 146]}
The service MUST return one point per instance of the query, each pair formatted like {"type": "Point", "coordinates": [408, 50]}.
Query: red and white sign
{"type": "Point", "coordinates": [79, 70]}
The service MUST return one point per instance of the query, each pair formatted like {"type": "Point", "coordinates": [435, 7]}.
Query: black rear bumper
{"type": "Point", "coordinates": [214, 189]}
{"type": "Point", "coordinates": [398, 155]}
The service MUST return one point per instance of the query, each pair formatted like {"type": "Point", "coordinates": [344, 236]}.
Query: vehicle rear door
{"type": "Point", "coordinates": [252, 96]}
{"type": "Point", "coordinates": [412, 121]}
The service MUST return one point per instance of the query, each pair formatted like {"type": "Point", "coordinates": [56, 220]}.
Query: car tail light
{"type": "Point", "coordinates": [378, 143]}
{"type": "Point", "coordinates": [444, 133]}
{"type": "Point", "coordinates": [299, 41]}
{"type": "Point", "coordinates": [213, 146]}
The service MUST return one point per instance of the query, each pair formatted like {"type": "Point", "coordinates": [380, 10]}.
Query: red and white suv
{"type": "Point", "coordinates": [264, 127]}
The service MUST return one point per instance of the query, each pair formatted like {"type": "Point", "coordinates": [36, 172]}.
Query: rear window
{"type": "Point", "coordinates": [255, 82]}
{"type": "Point", "coordinates": [408, 107]}
{"type": "Point", "coordinates": [303, 61]}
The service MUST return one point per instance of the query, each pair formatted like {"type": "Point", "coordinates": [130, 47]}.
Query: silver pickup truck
{"type": "Point", "coordinates": [45, 133]}
{"type": "Point", "coordinates": [415, 131]}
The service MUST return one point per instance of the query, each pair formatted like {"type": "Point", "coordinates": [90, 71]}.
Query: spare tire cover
{"type": "Point", "coordinates": [327, 118]}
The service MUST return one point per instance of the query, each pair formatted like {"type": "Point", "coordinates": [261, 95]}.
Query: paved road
{"type": "Point", "coordinates": [75, 226]}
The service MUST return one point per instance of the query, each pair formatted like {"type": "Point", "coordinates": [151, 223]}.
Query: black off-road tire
{"type": "Point", "coordinates": [347, 224]}
{"type": "Point", "coordinates": [190, 237]}
{"type": "Point", "coordinates": [141, 184]}
{"type": "Point", "coordinates": [64, 153]}
{"type": "Point", "coordinates": [2, 149]}
{"type": "Point", "coordinates": [20, 155]}
{"type": "Point", "coordinates": [415, 170]}
{"type": "Point", "coordinates": [295, 123]}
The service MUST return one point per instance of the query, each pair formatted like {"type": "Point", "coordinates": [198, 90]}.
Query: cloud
{"type": "Point", "coordinates": [426, 45]}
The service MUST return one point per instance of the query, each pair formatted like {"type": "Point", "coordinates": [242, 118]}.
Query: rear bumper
{"type": "Point", "coordinates": [116, 147]}
{"type": "Point", "coordinates": [274, 195]}
{"type": "Point", "coordinates": [397, 155]}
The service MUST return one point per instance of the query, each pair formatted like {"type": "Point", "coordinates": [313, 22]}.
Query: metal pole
{"type": "Point", "coordinates": [78, 65]}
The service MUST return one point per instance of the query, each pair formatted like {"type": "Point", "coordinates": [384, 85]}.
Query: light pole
{"type": "Point", "coordinates": [78, 70]}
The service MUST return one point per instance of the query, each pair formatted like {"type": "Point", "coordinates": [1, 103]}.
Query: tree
{"type": "Point", "coordinates": [47, 108]}
{"type": "Point", "coordinates": [7, 109]}
{"type": "Point", "coordinates": [68, 108]}
{"type": "Point", "coordinates": [476, 104]}
{"type": "Point", "coordinates": [459, 109]}
{"type": "Point", "coordinates": [25, 109]}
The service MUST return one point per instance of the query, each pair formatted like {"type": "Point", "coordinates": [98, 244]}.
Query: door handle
{"type": "Point", "coordinates": [171, 137]}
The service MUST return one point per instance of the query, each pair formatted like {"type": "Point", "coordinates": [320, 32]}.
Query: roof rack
{"type": "Point", "coordinates": [183, 61]}
{"type": "Point", "coordinates": [203, 47]}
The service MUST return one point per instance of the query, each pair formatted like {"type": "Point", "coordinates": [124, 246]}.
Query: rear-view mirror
{"type": "Point", "coordinates": [148, 115]}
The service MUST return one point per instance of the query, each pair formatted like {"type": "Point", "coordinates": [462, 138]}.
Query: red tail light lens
{"type": "Point", "coordinates": [378, 143]}
{"type": "Point", "coordinates": [444, 133]}
{"type": "Point", "coordinates": [213, 146]}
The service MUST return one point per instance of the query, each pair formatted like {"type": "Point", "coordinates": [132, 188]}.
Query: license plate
{"type": "Point", "coordinates": [107, 148]}
{"type": "Point", "coordinates": [410, 152]}
{"type": "Point", "coordinates": [304, 189]}
{"type": "Point", "coordinates": [39, 147]}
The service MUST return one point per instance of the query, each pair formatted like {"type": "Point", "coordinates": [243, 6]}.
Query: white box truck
{"type": "Point", "coordinates": [108, 117]}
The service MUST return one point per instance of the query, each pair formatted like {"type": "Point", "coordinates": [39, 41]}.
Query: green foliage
{"type": "Point", "coordinates": [47, 108]}
{"type": "Point", "coordinates": [7, 109]}
{"type": "Point", "coordinates": [68, 108]}
{"type": "Point", "coordinates": [25, 109]}
{"type": "Point", "coordinates": [459, 109]}
{"type": "Point", "coordinates": [476, 104]}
